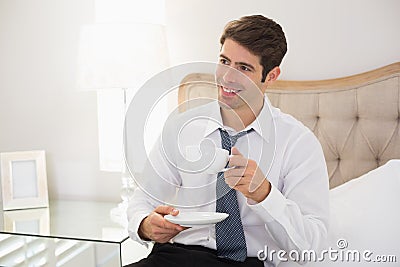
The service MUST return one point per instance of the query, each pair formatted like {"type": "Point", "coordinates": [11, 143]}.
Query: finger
{"type": "Point", "coordinates": [235, 151]}
{"type": "Point", "coordinates": [238, 171]}
{"type": "Point", "coordinates": [242, 189]}
{"type": "Point", "coordinates": [172, 226]}
{"type": "Point", "coordinates": [233, 181]}
{"type": "Point", "coordinates": [158, 231]}
{"type": "Point", "coordinates": [164, 210]}
{"type": "Point", "coordinates": [159, 221]}
{"type": "Point", "coordinates": [237, 160]}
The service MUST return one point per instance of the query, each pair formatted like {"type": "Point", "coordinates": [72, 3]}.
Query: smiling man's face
{"type": "Point", "coordinates": [240, 86]}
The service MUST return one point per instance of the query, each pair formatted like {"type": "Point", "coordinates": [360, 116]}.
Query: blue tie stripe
{"type": "Point", "coordinates": [231, 242]}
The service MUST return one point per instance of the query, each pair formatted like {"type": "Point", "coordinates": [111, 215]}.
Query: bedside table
{"type": "Point", "coordinates": [68, 233]}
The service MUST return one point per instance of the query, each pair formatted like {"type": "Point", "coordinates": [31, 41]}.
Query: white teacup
{"type": "Point", "coordinates": [220, 160]}
{"type": "Point", "coordinates": [211, 161]}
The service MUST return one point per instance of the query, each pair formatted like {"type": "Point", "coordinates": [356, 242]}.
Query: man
{"type": "Point", "coordinates": [281, 206]}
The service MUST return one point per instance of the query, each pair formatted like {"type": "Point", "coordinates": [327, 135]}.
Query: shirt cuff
{"type": "Point", "coordinates": [271, 207]}
{"type": "Point", "coordinates": [133, 228]}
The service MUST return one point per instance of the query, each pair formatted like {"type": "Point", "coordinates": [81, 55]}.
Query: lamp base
{"type": "Point", "coordinates": [119, 213]}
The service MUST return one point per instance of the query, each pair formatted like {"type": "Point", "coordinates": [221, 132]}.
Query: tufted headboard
{"type": "Point", "coordinates": [355, 118]}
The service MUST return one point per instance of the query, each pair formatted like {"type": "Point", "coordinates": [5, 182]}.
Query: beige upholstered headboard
{"type": "Point", "coordinates": [355, 118]}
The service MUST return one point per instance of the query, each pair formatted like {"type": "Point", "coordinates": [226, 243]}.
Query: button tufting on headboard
{"type": "Point", "coordinates": [357, 132]}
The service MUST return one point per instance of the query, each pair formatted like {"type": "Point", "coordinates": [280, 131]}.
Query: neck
{"type": "Point", "coordinates": [238, 119]}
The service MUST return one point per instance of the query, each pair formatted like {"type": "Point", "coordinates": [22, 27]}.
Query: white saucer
{"type": "Point", "coordinates": [190, 219]}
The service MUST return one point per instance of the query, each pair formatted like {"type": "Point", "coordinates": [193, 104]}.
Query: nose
{"type": "Point", "coordinates": [230, 75]}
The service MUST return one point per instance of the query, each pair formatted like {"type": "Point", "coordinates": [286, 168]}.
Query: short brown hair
{"type": "Point", "coordinates": [261, 36]}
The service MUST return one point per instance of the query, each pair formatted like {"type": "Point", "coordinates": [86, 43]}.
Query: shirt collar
{"type": "Point", "coordinates": [263, 124]}
{"type": "Point", "coordinates": [215, 120]}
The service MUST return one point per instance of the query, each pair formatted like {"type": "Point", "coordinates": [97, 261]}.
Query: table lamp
{"type": "Point", "coordinates": [121, 56]}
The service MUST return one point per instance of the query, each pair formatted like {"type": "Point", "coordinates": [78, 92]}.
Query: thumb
{"type": "Point", "coordinates": [165, 210]}
{"type": "Point", "coordinates": [235, 151]}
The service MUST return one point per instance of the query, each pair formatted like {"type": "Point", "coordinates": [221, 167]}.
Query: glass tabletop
{"type": "Point", "coordinates": [79, 220]}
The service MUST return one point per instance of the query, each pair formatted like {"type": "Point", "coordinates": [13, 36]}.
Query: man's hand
{"type": "Point", "coordinates": [246, 177]}
{"type": "Point", "coordinates": [155, 227]}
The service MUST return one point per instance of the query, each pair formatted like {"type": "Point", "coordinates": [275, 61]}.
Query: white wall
{"type": "Point", "coordinates": [40, 107]}
{"type": "Point", "coordinates": [326, 39]}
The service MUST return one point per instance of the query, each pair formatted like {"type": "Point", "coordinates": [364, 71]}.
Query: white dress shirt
{"type": "Point", "coordinates": [295, 214]}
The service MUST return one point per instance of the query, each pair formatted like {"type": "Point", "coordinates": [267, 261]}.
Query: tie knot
{"type": "Point", "coordinates": [228, 141]}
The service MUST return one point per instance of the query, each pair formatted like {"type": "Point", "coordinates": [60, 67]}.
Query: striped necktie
{"type": "Point", "coordinates": [229, 233]}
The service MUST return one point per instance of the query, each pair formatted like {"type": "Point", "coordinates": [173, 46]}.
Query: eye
{"type": "Point", "coordinates": [244, 68]}
{"type": "Point", "coordinates": [223, 61]}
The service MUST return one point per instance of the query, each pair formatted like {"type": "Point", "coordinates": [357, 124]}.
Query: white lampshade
{"type": "Point", "coordinates": [120, 55]}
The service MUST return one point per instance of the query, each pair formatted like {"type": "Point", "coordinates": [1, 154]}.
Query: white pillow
{"type": "Point", "coordinates": [366, 213]}
{"type": "Point", "coordinates": [365, 217]}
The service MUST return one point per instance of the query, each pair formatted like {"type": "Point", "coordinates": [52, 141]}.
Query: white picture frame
{"type": "Point", "coordinates": [24, 180]}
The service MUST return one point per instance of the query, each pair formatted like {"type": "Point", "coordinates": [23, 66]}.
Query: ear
{"type": "Point", "coordinates": [273, 75]}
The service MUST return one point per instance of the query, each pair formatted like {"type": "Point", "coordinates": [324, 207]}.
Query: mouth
{"type": "Point", "coordinates": [226, 91]}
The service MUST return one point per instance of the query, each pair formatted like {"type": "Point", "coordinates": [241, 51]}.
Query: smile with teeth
{"type": "Point", "coordinates": [228, 90]}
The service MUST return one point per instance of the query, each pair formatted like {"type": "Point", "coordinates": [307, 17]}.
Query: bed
{"type": "Point", "coordinates": [356, 120]}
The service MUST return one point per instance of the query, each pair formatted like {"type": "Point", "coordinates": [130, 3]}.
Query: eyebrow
{"type": "Point", "coordinates": [238, 63]}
